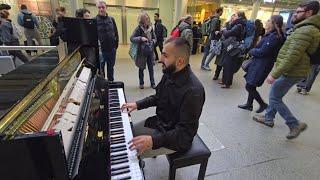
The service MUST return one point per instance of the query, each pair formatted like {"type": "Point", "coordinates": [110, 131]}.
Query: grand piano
{"type": "Point", "coordinates": [60, 120]}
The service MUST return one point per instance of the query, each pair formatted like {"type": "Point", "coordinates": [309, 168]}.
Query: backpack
{"type": "Point", "coordinates": [206, 27]}
{"type": "Point", "coordinates": [164, 31]}
{"type": "Point", "coordinates": [28, 21]}
{"type": "Point", "coordinates": [315, 57]}
{"type": "Point", "coordinates": [175, 33]}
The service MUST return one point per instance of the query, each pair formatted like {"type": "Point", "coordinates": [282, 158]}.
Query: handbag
{"type": "Point", "coordinates": [216, 47]}
{"type": "Point", "coordinates": [147, 48]}
{"type": "Point", "coordinates": [231, 46]}
{"type": "Point", "coordinates": [245, 65]}
{"type": "Point", "coordinates": [133, 51]}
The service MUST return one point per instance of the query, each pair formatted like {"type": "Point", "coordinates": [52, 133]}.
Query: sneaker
{"type": "Point", "coordinates": [153, 86]}
{"type": "Point", "coordinates": [207, 68]}
{"type": "Point", "coordinates": [295, 132]}
{"type": "Point", "coordinates": [262, 119]}
{"type": "Point", "coordinates": [299, 89]}
{"type": "Point", "coordinates": [304, 92]}
{"type": "Point", "coordinates": [262, 108]}
{"type": "Point", "coordinates": [141, 86]}
{"type": "Point", "coordinates": [246, 107]}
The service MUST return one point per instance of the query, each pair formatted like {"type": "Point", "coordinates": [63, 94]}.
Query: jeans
{"type": "Point", "coordinates": [205, 54]}
{"type": "Point", "coordinates": [278, 90]}
{"type": "Point", "coordinates": [151, 72]}
{"type": "Point", "coordinates": [110, 58]}
{"type": "Point", "coordinates": [307, 83]}
{"type": "Point", "coordinates": [209, 59]}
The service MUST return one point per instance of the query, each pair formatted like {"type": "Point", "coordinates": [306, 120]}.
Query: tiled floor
{"type": "Point", "coordinates": [241, 148]}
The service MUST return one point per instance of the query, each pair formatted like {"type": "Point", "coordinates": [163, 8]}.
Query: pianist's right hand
{"type": "Point", "coordinates": [129, 106]}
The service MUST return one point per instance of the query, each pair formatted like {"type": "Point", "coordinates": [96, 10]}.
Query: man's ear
{"type": "Point", "coordinates": [181, 61]}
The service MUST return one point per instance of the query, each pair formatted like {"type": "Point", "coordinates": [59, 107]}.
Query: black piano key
{"type": "Point", "coordinates": [116, 126]}
{"type": "Point", "coordinates": [118, 139]}
{"type": "Point", "coordinates": [119, 162]}
{"type": "Point", "coordinates": [120, 154]}
{"type": "Point", "coordinates": [119, 168]}
{"type": "Point", "coordinates": [114, 97]}
{"type": "Point", "coordinates": [114, 101]}
{"type": "Point", "coordinates": [126, 178]}
{"type": "Point", "coordinates": [118, 142]}
{"type": "Point", "coordinates": [116, 123]}
{"type": "Point", "coordinates": [117, 150]}
{"type": "Point", "coordinates": [120, 172]}
{"type": "Point", "coordinates": [114, 104]}
{"type": "Point", "coordinates": [119, 158]}
{"type": "Point", "coordinates": [120, 146]}
{"type": "Point", "coordinates": [116, 130]}
{"type": "Point", "coordinates": [115, 109]}
{"type": "Point", "coordinates": [115, 114]}
{"type": "Point", "coordinates": [116, 120]}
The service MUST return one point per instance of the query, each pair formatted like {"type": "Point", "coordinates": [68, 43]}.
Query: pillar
{"type": "Point", "coordinates": [74, 4]}
{"type": "Point", "coordinates": [255, 9]}
{"type": "Point", "coordinates": [166, 11]}
{"type": "Point", "coordinates": [180, 10]}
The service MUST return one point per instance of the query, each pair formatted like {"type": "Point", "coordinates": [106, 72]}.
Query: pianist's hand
{"type": "Point", "coordinates": [130, 106]}
{"type": "Point", "coordinates": [141, 143]}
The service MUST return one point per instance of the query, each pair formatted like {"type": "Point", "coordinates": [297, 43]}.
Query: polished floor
{"type": "Point", "coordinates": [241, 148]}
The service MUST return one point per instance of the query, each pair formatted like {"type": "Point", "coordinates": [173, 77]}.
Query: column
{"type": "Point", "coordinates": [74, 6]}
{"type": "Point", "coordinates": [255, 9]}
{"type": "Point", "coordinates": [180, 10]}
{"type": "Point", "coordinates": [166, 11]}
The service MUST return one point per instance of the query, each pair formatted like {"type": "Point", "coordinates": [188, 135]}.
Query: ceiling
{"type": "Point", "coordinates": [278, 3]}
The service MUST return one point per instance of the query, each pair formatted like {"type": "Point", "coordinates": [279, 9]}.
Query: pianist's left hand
{"type": "Point", "coordinates": [141, 143]}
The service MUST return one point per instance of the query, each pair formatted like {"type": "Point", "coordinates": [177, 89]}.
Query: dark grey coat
{"type": "Point", "coordinates": [136, 36]}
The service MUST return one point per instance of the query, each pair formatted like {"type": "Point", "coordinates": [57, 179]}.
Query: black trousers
{"type": "Point", "coordinates": [218, 70]}
{"type": "Point", "coordinates": [253, 95]}
{"type": "Point", "coordinates": [229, 66]}
{"type": "Point", "coordinates": [160, 44]}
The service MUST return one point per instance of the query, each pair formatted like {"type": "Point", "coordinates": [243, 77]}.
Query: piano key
{"type": "Point", "coordinates": [119, 162]}
{"type": "Point", "coordinates": [118, 154]}
{"type": "Point", "coordinates": [120, 172]}
{"type": "Point", "coordinates": [118, 142]}
{"type": "Point", "coordinates": [119, 158]}
{"type": "Point", "coordinates": [119, 168]}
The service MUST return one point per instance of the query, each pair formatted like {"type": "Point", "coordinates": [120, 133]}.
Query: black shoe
{"type": "Point", "coordinates": [215, 78]}
{"type": "Point", "coordinates": [246, 107]}
{"type": "Point", "coordinates": [153, 86]}
{"type": "Point", "coordinates": [262, 108]}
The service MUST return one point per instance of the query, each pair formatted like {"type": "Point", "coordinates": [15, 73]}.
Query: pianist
{"type": "Point", "coordinates": [179, 100]}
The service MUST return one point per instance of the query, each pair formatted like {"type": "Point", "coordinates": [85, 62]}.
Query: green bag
{"type": "Point", "coordinates": [133, 51]}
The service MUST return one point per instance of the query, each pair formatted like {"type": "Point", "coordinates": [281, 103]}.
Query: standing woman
{"type": "Point", "coordinates": [145, 39]}
{"type": "Point", "coordinates": [264, 56]}
{"type": "Point", "coordinates": [230, 61]}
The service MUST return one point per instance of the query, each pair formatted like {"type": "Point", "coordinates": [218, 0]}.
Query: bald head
{"type": "Point", "coordinates": [181, 48]}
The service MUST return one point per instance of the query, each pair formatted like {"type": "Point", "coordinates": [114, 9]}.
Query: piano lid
{"type": "Point", "coordinates": [15, 85]}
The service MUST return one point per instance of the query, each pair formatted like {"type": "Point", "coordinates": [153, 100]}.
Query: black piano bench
{"type": "Point", "coordinates": [199, 153]}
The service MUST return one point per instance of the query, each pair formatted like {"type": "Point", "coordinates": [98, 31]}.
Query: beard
{"type": "Point", "coordinates": [296, 20]}
{"type": "Point", "coordinates": [169, 69]}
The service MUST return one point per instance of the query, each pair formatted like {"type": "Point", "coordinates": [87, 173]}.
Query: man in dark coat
{"type": "Point", "coordinates": [179, 100]}
{"type": "Point", "coordinates": [160, 31]}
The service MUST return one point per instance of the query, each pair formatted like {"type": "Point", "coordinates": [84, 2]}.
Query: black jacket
{"type": "Point", "coordinates": [179, 100]}
{"type": "Point", "coordinates": [158, 30]}
{"type": "Point", "coordinates": [107, 32]}
{"type": "Point", "coordinates": [237, 29]}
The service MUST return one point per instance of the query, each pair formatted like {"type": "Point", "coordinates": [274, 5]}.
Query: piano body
{"type": "Point", "coordinates": [59, 120]}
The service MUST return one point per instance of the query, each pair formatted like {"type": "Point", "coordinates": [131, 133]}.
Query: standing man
{"type": "Point", "coordinates": [108, 40]}
{"type": "Point", "coordinates": [161, 33]}
{"type": "Point", "coordinates": [30, 23]}
{"type": "Point", "coordinates": [179, 100]}
{"type": "Point", "coordinates": [292, 65]}
{"type": "Point", "coordinates": [214, 34]}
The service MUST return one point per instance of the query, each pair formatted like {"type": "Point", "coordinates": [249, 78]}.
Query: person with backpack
{"type": "Point", "coordinates": [292, 65]}
{"type": "Point", "coordinates": [304, 86]}
{"type": "Point", "coordinates": [184, 30]}
{"type": "Point", "coordinates": [262, 61]}
{"type": "Point", "coordinates": [231, 48]}
{"type": "Point", "coordinates": [144, 38]}
{"type": "Point", "coordinates": [8, 37]}
{"type": "Point", "coordinates": [211, 29]}
{"type": "Point", "coordinates": [29, 22]}
{"type": "Point", "coordinates": [108, 39]}
{"type": "Point", "coordinates": [161, 33]}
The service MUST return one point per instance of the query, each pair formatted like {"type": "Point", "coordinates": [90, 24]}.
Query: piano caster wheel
{"type": "Point", "coordinates": [142, 164]}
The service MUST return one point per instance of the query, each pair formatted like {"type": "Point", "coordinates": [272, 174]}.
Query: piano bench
{"type": "Point", "coordinates": [199, 153]}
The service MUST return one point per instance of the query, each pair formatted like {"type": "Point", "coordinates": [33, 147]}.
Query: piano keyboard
{"type": "Point", "coordinates": [124, 162]}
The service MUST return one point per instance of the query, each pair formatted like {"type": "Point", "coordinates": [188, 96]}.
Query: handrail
{"type": "Point", "coordinates": [11, 48]}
